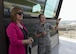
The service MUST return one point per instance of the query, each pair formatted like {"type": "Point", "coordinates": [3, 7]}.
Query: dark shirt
{"type": "Point", "coordinates": [24, 33]}
{"type": "Point", "coordinates": [25, 37]}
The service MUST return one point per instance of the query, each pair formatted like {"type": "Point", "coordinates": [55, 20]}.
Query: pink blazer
{"type": "Point", "coordinates": [15, 36]}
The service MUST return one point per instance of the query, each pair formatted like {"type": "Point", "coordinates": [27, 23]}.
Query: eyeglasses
{"type": "Point", "coordinates": [20, 13]}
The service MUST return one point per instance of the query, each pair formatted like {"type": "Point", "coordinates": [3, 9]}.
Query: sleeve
{"type": "Point", "coordinates": [35, 30]}
{"type": "Point", "coordinates": [50, 26]}
{"type": "Point", "coordinates": [11, 33]}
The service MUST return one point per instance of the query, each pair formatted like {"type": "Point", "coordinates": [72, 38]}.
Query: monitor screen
{"type": "Point", "coordinates": [51, 8]}
{"type": "Point", "coordinates": [30, 7]}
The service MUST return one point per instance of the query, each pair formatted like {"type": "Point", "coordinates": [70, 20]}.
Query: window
{"type": "Point", "coordinates": [30, 7]}
{"type": "Point", "coordinates": [51, 8]}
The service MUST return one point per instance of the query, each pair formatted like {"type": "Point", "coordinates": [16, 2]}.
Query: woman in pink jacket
{"type": "Point", "coordinates": [17, 33]}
